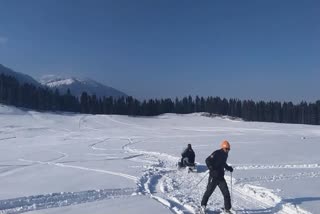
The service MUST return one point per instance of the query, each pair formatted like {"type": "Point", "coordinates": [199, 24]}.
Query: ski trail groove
{"type": "Point", "coordinates": [277, 166]}
{"type": "Point", "coordinates": [129, 124]}
{"type": "Point", "coordinates": [281, 177]}
{"type": "Point", "coordinates": [38, 202]}
{"type": "Point", "coordinates": [130, 177]}
{"type": "Point", "coordinates": [93, 146]}
{"type": "Point", "coordinates": [7, 138]}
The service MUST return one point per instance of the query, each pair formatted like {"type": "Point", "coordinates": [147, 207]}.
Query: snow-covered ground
{"type": "Point", "coordinates": [73, 163]}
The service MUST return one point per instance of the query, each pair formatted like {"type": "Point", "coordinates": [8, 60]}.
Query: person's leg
{"type": "Point", "coordinates": [212, 184]}
{"type": "Point", "coordinates": [181, 162]}
{"type": "Point", "coordinates": [185, 161]}
{"type": "Point", "coordinates": [226, 194]}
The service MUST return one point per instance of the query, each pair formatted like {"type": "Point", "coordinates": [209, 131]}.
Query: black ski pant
{"type": "Point", "coordinates": [212, 184]}
{"type": "Point", "coordinates": [185, 162]}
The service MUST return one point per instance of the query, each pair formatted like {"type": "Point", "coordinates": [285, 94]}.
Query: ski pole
{"type": "Point", "coordinates": [205, 175]}
{"type": "Point", "coordinates": [231, 189]}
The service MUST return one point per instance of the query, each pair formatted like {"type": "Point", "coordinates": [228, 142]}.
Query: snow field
{"type": "Point", "coordinates": [58, 163]}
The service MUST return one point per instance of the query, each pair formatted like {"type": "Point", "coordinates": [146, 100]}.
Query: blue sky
{"type": "Point", "coordinates": [261, 50]}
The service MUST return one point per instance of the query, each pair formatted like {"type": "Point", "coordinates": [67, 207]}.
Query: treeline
{"type": "Point", "coordinates": [44, 99]}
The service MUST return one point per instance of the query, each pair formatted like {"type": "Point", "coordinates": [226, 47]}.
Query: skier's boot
{"type": "Point", "coordinates": [203, 209]}
{"type": "Point", "coordinates": [227, 211]}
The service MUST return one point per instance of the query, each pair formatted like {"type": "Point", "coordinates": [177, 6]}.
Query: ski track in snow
{"type": "Point", "coordinates": [109, 117]}
{"type": "Point", "coordinates": [281, 177]}
{"type": "Point", "coordinates": [7, 138]}
{"type": "Point", "coordinates": [93, 146]}
{"type": "Point", "coordinates": [130, 177]}
{"type": "Point", "coordinates": [38, 202]}
{"type": "Point", "coordinates": [13, 169]}
{"type": "Point", "coordinates": [278, 166]}
{"type": "Point", "coordinates": [18, 168]}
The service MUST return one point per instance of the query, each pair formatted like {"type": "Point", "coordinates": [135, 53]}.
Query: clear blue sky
{"type": "Point", "coordinates": [261, 50]}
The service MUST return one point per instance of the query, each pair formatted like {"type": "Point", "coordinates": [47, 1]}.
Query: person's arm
{"type": "Point", "coordinates": [183, 154]}
{"type": "Point", "coordinates": [229, 168]}
{"type": "Point", "coordinates": [210, 161]}
{"type": "Point", "coordinates": [193, 154]}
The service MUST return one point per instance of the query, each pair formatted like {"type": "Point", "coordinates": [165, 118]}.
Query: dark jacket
{"type": "Point", "coordinates": [189, 153]}
{"type": "Point", "coordinates": [216, 163]}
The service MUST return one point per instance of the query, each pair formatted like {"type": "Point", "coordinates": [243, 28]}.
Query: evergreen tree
{"type": "Point", "coordinates": [43, 99]}
{"type": "Point", "coordinates": [84, 103]}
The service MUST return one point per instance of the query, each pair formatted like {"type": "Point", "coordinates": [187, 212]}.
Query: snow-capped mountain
{"type": "Point", "coordinates": [78, 85]}
{"type": "Point", "coordinates": [22, 78]}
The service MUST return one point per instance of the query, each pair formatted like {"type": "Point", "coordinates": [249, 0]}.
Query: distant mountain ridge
{"type": "Point", "coordinates": [79, 85]}
{"type": "Point", "coordinates": [76, 85]}
{"type": "Point", "coordinates": [22, 78]}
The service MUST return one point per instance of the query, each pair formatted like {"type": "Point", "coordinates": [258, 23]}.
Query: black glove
{"type": "Point", "coordinates": [229, 168]}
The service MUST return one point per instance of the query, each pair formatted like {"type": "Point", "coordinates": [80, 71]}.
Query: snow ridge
{"type": "Point", "coordinates": [38, 202]}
